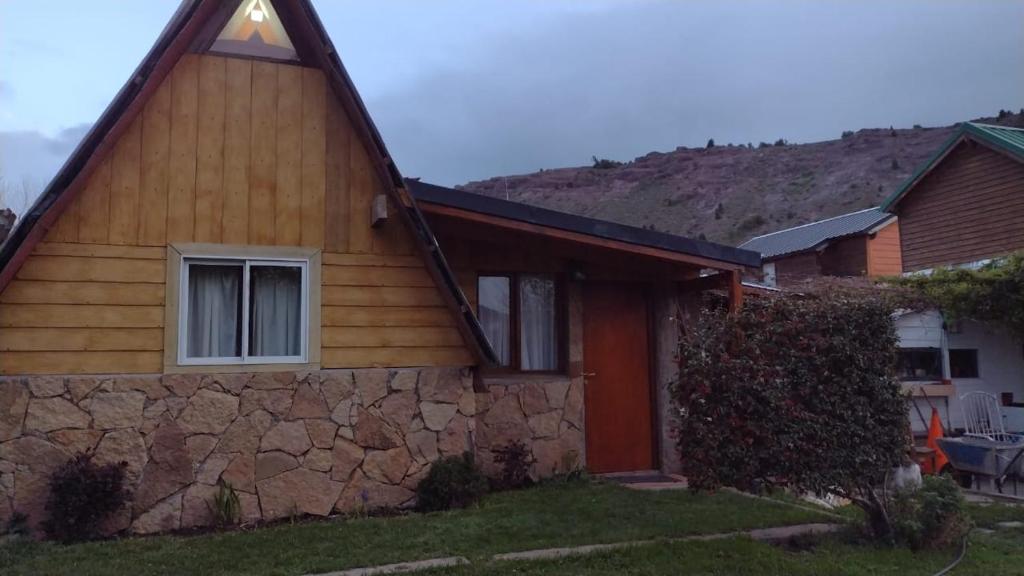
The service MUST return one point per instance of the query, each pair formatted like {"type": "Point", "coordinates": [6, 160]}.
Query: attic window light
{"type": "Point", "coordinates": [255, 30]}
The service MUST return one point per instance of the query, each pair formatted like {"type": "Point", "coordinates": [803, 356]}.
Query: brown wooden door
{"type": "Point", "coordinates": [616, 361]}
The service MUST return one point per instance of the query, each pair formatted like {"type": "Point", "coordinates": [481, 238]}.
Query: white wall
{"type": "Point", "coordinates": [1000, 365]}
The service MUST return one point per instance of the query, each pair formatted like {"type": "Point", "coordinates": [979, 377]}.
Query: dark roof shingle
{"type": "Point", "coordinates": [479, 203]}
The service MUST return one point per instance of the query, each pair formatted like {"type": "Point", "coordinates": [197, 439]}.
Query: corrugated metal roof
{"type": "Point", "coordinates": [811, 235]}
{"type": "Point", "coordinates": [1010, 140]}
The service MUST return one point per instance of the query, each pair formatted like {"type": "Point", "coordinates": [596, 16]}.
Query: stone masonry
{"type": "Point", "coordinates": [545, 414]}
{"type": "Point", "coordinates": [289, 443]}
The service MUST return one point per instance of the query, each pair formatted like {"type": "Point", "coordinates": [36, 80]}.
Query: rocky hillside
{"type": "Point", "coordinates": [730, 193]}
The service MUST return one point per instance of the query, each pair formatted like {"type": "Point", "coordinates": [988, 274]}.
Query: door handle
{"type": "Point", "coordinates": [589, 374]}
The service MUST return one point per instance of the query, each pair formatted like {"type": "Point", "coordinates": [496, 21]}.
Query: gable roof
{"type": "Point", "coordinates": [604, 229]}
{"type": "Point", "coordinates": [813, 235]}
{"type": "Point", "coordinates": [1002, 138]}
{"type": "Point", "coordinates": [193, 28]}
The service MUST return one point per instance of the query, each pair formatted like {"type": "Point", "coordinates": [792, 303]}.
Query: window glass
{"type": "Point", "coordinates": [495, 314]}
{"type": "Point", "coordinates": [538, 342]}
{"type": "Point", "coordinates": [275, 310]}
{"type": "Point", "coordinates": [240, 311]}
{"type": "Point", "coordinates": [920, 364]}
{"type": "Point", "coordinates": [963, 363]}
{"type": "Point", "coordinates": [214, 311]}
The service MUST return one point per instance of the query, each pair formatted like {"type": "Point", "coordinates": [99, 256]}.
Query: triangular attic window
{"type": "Point", "coordinates": [255, 30]}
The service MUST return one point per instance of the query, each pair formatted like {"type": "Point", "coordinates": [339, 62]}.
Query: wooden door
{"type": "Point", "coordinates": [617, 392]}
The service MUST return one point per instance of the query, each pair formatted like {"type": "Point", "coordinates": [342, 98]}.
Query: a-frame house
{"type": "Point", "coordinates": [230, 280]}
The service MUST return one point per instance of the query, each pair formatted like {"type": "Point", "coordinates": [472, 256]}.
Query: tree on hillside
{"type": "Point", "coordinates": [711, 143]}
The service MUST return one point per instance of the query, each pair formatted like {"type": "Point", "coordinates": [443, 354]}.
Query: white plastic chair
{"type": "Point", "coordinates": [983, 417]}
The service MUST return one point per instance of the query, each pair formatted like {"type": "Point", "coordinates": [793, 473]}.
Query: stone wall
{"type": "Point", "coordinates": [290, 443]}
{"type": "Point", "coordinates": [546, 414]}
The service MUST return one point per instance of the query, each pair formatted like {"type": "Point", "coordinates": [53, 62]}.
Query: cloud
{"type": "Point", "coordinates": [29, 159]}
{"type": "Point", "coordinates": [622, 82]}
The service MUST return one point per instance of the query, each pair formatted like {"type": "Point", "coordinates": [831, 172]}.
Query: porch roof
{"type": "Point", "coordinates": [580, 228]}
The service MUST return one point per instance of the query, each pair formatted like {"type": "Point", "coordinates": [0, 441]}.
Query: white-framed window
{"type": "Point", "coordinates": [243, 310]}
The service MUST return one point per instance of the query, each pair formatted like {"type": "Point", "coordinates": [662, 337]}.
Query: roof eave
{"type": "Point", "coordinates": [723, 256]}
{"type": "Point", "coordinates": [966, 130]}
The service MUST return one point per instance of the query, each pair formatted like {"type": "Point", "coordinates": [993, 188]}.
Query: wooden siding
{"type": "Point", "coordinates": [884, 258]}
{"type": "Point", "coordinates": [845, 257]}
{"type": "Point", "coordinates": [795, 268]}
{"type": "Point", "coordinates": [84, 308]}
{"type": "Point", "coordinates": [384, 310]}
{"type": "Point", "coordinates": [226, 151]}
{"type": "Point", "coordinates": [969, 208]}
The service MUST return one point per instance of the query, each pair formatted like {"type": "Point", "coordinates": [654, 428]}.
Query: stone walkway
{"type": "Point", "coordinates": [775, 534]}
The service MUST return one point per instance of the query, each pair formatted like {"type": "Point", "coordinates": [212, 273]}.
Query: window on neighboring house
{"type": "Point", "coordinates": [963, 363]}
{"type": "Point", "coordinates": [520, 315]}
{"type": "Point", "coordinates": [920, 364]}
{"type": "Point", "coordinates": [235, 310]}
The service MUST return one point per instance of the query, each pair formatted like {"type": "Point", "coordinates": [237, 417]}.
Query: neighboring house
{"type": "Point", "coordinates": [862, 243]}
{"type": "Point", "coordinates": [229, 279]}
{"type": "Point", "coordinates": [963, 208]}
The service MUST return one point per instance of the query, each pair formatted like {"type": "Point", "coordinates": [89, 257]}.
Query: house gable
{"type": "Point", "coordinates": [967, 208]}
{"type": "Point", "coordinates": [223, 150]}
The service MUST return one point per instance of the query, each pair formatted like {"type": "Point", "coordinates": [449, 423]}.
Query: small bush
{"type": "Point", "coordinates": [226, 507]}
{"type": "Point", "coordinates": [711, 143]}
{"type": "Point", "coordinates": [933, 516]}
{"type": "Point", "coordinates": [515, 460]}
{"type": "Point", "coordinates": [17, 525]}
{"type": "Point", "coordinates": [453, 482]}
{"type": "Point", "coordinates": [83, 495]}
{"type": "Point", "coordinates": [847, 134]}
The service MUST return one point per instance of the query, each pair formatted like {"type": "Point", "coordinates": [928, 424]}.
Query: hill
{"type": "Point", "coordinates": [730, 193]}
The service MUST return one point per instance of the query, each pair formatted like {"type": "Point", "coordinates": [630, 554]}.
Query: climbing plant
{"type": "Point", "coordinates": [992, 293]}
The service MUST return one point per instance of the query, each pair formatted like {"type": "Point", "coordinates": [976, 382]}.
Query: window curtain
{"type": "Point", "coordinates": [275, 309]}
{"type": "Point", "coordinates": [538, 342]}
{"type": "Point", "coordinates": [495, 318]}
{"type": "Point", "coordinates": [214, 311]}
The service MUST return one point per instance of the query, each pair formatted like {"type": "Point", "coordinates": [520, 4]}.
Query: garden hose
{"type": "Point", "coordinates": [959, 557]}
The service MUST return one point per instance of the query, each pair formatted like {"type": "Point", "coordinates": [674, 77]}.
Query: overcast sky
{"type": "Point", "coordinates": [467, 89]}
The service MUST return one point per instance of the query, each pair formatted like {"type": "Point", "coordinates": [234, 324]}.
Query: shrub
{"type": "Point", "coordinates": [796, 392]}
{"type": "Point", "coordinates": [82, 495]}
{"type": "Point", "coordinates": [895, 164]}
{"type": "Point", "coordinates": [515, 460]}
{"type": "Point", "coordinates": [453, 482]}
{"type": "Point", "coordinates": [847, 134]}
{"type": "Point", "coordinates": [226, 507]}
{"type": "Point", "coordinates": [711, 143]}
{"type": "Point", "coordinates": [780, 142]}
{"type": "Point", "coordinates": [932, 516]}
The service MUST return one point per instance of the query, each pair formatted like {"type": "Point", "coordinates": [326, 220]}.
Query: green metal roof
{"type": "Point", "coordinates": [1010, 140]}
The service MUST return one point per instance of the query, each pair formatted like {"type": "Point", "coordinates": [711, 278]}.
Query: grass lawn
{"type": "Point", "coordinates": [548, 516]}
{"type": "Point", "coordinates": [989, 555]}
